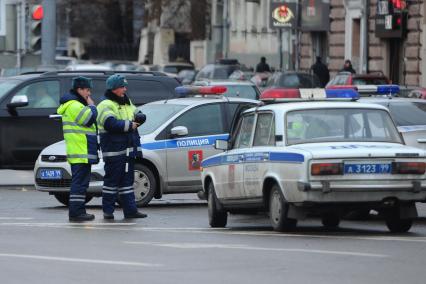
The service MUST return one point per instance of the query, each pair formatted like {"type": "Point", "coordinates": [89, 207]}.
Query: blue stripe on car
{"type": "Point", "coordinates": [184, 142]}
{"type": "Point", "coordinates": [253, 157]}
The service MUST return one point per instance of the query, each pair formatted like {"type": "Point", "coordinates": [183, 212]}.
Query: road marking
{"type": "Point", "coordinates": [70, 225]}
{"type": "Point", "coordinates": [224, 231]}
{"type": "Point", "coordinates": [82, 260]}
{"type": "Point", "coordinates": [245, 247]}
{"type": "Point", "coordinates": [16, 218]}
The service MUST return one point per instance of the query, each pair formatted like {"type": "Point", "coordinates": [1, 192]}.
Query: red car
{"type": "Point", "coordinates": [349, 79]}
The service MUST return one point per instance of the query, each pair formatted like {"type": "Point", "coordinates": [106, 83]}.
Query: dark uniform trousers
{"type": "Point", "coordinates": [79, 184]}
{"type": "Point", "coordinates": [117, 180]}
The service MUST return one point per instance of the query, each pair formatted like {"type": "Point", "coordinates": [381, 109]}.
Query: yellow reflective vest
{"type": "Point", "coordinates": [117, 138]}
{"type": "Point", "coordinates": [79, 127]}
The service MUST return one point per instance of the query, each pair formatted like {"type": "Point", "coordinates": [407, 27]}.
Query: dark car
{"type": "Point", "coordinates": [26, 101]}
{"type": "Point", "coordinates": [222, 69]}
{"type": "Point", "coordinates": [293, 80]}
{"type": "Point", "coordinates": [349, 79]}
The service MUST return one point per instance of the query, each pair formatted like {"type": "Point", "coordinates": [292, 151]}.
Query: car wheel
{"type": "Point", "coordinates": [217, 218]}
{"type": "Point", "coordinates": [64, 198]}
{"type": "Point", "coordinates": [278, 209]}
{"type": "Point", "coordinates": [330, 220]}
{"type": "Point", "coordinates": [395, 224]}
{"type": "Point", "coordinates": [145, 185]}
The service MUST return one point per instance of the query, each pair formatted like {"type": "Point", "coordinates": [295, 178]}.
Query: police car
{"type": "Point", "coordinates": [322, 157]}
{"type": "Point", "coordinates": [176, 136]}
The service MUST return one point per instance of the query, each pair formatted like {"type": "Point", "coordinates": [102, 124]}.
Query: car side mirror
{"type": "Point", "coordinates": [221, 145]}
{"type": "Point", "coordinates": [179, 131]}
{"type": "Point", "coordinates": [18, 101]}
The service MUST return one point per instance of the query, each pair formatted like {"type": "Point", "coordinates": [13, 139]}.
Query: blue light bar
{"type": "Point", "coordinates": [387, 89]}
{"type": "Point", "coordinates": [348, 94]}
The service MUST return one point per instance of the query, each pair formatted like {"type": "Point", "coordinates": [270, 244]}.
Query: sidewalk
{"type": "Point", "coordinates": [16, 178]}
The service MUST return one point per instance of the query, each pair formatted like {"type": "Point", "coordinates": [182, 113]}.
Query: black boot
{"type": "Point", "coordinates": [108, 216]}
{"type": "Point", "coordinates": [82, 218]}
{"type": "Point", "coordinates": [135, 215]}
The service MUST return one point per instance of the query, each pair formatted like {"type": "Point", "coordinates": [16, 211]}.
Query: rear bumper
{"type": "Point", "coordinates": [369, 191]}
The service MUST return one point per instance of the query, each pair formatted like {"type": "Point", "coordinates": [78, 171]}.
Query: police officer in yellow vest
{"type": "Point", "coordinates": [120, 144]}
{"type": "Point", "coordinates": [79, 126]}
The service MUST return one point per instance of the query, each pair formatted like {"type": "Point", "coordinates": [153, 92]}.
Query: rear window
{"type": "Point", "coordinates": [340, 125]}
{"type": "Point", "coordinates": [242, 91]}
{"type": "Point", "coordinates": [369, 81]}
{"type": "Point", "coordinates": [298, 81]}
{"type": "Point", "coordinates": [409, 113]}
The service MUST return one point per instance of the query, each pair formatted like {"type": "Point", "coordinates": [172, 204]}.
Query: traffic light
{"type": "Point", "coordinates": [36, 21]}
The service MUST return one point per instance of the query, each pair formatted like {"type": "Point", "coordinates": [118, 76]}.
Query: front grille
{"type": "Point", "coordinates": [53, 182]}
{"type": "Point", "coordinates": [54, 158]}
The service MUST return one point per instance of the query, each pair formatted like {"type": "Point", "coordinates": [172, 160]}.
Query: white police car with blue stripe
{"type": "Point", "coordinates": [323, 157]}
{"type": "Point", "coordinates": [176, 136]}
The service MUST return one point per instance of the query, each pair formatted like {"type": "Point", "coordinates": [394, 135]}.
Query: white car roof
{"type": "Point", "coordinates": [285, 107]}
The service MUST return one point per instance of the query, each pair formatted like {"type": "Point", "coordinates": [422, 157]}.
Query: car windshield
{"type": "Point", "coordinates": [408, 113]}
{"type": "Point", "coordinates": [370, 81]}
{"type": "Point", "coordinates": [156, 115]}
{"type": "Point", "coordinates": [6, 85]}
{"type": "Point", "coordinates": [340, 125]}
{"type": "Point", "coordinates": [242, 91]}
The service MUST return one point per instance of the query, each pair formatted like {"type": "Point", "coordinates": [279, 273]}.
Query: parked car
{"type": "Point", "coordinates": [220, 70]}
{"type": "Point", "coordinates": [292, 80]}
{"type": "Point", "coordinates": [324, 158]}
{"type": "Point", "coordinates": [234, 88]}
{"type": "Point", "coordinates": [187, 76]}
{"type": "Point", "coordinates": [25, 126]}
{"type": "Point", "coordinates": [172, 68]}
{"type": "Point", "coordinates": [350, 79]}
{"type": "Point", "coordinates": [176, 136]}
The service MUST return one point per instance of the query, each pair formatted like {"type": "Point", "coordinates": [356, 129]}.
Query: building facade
{"type": "Point", "coordinates": [353, 36]}
{"type": "Point", "coordinates": [241, 29]}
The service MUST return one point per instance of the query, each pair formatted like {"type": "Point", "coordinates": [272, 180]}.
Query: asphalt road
{"type": "Point", "coordinates": [175, 245]}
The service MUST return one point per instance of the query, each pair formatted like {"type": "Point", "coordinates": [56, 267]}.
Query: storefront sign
{"type": "Point", "coordinates": [283, 15]}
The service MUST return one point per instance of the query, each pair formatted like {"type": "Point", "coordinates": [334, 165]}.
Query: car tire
{"type": "Point", "coordinates": [217, 218]}
{"type": "Point", "coordinates": [395, 224]}
{"type": "Point", "coordinates": [330, 220]}
{"type": "Point", "coordinates": [278, 210]}
{"type": "Point", "coordinates": [145, 185]}
{"type": "Point", "coordinates": [64, 198]}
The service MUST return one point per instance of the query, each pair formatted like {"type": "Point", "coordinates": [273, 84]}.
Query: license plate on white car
{"type": "Point", "coordinates": [367, 168]}
{"type": "Point", "coordinates": [50, 174]}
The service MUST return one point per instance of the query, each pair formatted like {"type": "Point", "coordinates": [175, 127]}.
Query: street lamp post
{"type": "Point", "coordinates": [48, 33]}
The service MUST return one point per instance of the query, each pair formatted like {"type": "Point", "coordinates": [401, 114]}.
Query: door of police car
{"type": "Point", "coordinates": [257, 159]}
{"type": "Point", "coordinates": [205, 124]}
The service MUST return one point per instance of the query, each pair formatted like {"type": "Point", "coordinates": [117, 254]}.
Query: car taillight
{"type": "Point", "coordinates": [408, 168]}
{"type": "Point", "coordinates": [326, 169]}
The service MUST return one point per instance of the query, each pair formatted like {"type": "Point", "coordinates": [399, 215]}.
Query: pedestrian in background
{"type": "Point", "coordinates": [79, 126]}
{"type": "Point", "coordinates": [120, 144]}
{"type": "Point", "coordinates": [262, 66]}
{"type": "Point", "coordinates": [322, 72]}
{"type": "Point", "coordinates": [347, 67]}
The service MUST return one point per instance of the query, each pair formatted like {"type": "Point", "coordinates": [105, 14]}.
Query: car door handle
{"type": "Point", "coordinates": [55, 116]}
{"type": "Point", "coordinates": [421, 140]}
